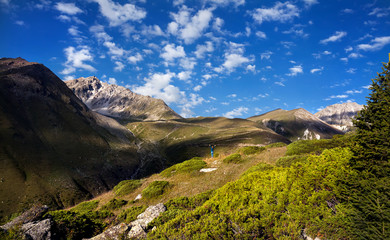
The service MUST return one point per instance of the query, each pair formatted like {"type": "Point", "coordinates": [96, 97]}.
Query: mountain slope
{"type": "Point", "coordinates": [340, 115]}
{"type": "Point", "coordinates": [296, 124]}
{"type": "Point", "coordinates": [52, 149]}
{"type": "Point", "coordinates": [119, 102]}
{"type": "Point", "coordinates": [186, 138]}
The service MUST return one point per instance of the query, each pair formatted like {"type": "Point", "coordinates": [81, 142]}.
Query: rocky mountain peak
{"type": "Point", "coordinates": [119, 102]}
{"type": "Point", "coordinates": [340, 115]}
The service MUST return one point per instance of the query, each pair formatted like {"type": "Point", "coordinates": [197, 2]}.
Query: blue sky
{"type": "Point", "coordinates": [233, 58]}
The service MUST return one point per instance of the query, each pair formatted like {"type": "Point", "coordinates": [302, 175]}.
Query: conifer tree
{"type": "Point", "coordinates": [372, 142]}
{"type": "Point", "coordinates": [370, 192]}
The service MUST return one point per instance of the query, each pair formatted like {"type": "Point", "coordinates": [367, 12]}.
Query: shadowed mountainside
{"type": "Point", "coordinates": [52, 149]}
{"type": "Point", "coordinates": [296, 124]}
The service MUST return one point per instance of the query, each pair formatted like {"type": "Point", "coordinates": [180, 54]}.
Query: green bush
{"type": "Point", "coordinates": [233, 158]}
{"type": "Point", "coordinates": [86, 206]}
{"type": "Point", "coordinates": [258, 168]}
{"type": "Point", "coordinates": [131, 214]}
{"type": "Point", "coordinates": [249, 150]}
{"type": "Point", "coordinates": [273, 204]}
{"type": "Point", "coordinates": [155, 189]}
{"type": "Point", "coordinates": [287, 161]}
{"type": "Point", "coordinates": [126, 187]}
{"type": "Point", "coordinates": [194, 164]}
{"type": "Point", "coordinates": [114, 204]}
{"type": "Point", "coordinates": [277, 144]}
{"type": "Point", "coordinates": [76, 225]}
{"type": "Point", "coordinates": [310, 146]}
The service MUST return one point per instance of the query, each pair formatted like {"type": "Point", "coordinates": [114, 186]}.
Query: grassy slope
{"type": "Point", "coordinates": [187, 138]}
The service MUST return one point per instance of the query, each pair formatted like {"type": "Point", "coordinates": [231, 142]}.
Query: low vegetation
{"type": "Point", "coordinates": [250, 150]}
{"type": "Point", "coordinates": [126, 187]}
{"type": "Point", "coordinates": [194, 164]}
{"type": "Point", "coordinates": [114, 204]}
{"type": "Point", "coordinates": [86, 206]}
{"type": "Point", "coordinates": [131, 214]}
{"type": "Point", "coordinates": [233, 158]}
{"type": "Point", "coordinates": [155, 189]}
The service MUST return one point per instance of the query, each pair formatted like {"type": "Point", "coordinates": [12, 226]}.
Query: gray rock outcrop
{"type": "Point", "coordinates": [31, 215]}
{"type": "Point", "coordinates": [41, 230]}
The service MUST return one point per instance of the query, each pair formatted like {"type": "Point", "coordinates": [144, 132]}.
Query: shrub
{"type": "Point", "coordinates": [311, 146]}
{"type": "Point", "coordinates": [233, 158]}
{"type": "Point", "coordinates": [194, 164]}
{"type": "Point", "coordinates": [249, 150]}
{"type": "Point", "coordinates": [114, 204]}
{"type": "Point", "coordinates": [126, 187]}
{"type": "Point", "coordinates": [86, 206]}
{"type": "Point", "coordinates": [287, 161]}
{"type": "Point", "coordinates": [277, 144]}
{"type": "Point", "coordinates": [258, 168]}
{"type": "Point", "coordinates": [155, 189]}
{"type": "Point", "coordinates": [131, 214]}
{"type": "Point", "coordinates": [76, 225]}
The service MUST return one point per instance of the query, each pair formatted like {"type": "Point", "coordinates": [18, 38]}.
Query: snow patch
{"type": "Point", "coordinates": [207, 169]}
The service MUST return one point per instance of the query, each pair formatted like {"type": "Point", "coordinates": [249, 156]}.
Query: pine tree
{"type": "Point", "coordinates": [372, 142]}
{"type": "Point", "coordinates": [370, 192]}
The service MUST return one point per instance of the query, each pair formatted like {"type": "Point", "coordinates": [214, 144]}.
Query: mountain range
{"type": "Point", "coordinates": [61, 142]}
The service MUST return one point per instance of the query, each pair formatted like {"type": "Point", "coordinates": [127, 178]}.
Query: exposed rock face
{"type": "Point", "coordinates": [31, 215]}
{"type": "Point", "coordinates": [136, 229]}
{"type": "Point", "coordinates": [119, 102]}
{"type": "Point", "coordinates": [340, 115]}
{"type": "Point", "coordinates": [54, 149]}
{"type": "Point", "coordinates": [38, 230]}
{"type": "Point", "coordinates": [296, 124]}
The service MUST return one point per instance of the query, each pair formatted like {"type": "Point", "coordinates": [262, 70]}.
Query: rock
{"type": "Point", "coordinates": [38, 230]}
{"type": "Point", "coordinates": [113, 233]}
{"type": "Point", "coordinates": [207, 169]}
{"type": "Point", "coordinates": [139, 196]}
{"type": "Point", "coordinates": [31, 215]}
{"type": "Point", "coordinates": [138, 227]}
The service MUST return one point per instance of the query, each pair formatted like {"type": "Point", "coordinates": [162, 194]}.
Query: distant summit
{"type": "Point", "coordinates": [296, 124]}
{"type": "Point", "coordinates": [340, 115]}
{"type": "Point", "coordinates": [119, 102]}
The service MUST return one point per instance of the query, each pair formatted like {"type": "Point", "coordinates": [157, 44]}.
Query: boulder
{"type": "Point", "coordinates": [113, 233]}
{"type": "Point", "coordinates": [33, 214]}
{"type": "Point", "coordinates": [40, 230]}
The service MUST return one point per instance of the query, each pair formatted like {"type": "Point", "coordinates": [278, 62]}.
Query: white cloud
{"type": "Point", "coordinates": [280, 84]}
{"type": "Point", "coordinates": [218, 23]}
{"type": "Point", "coordinates": [188, 63]}
{"type": "Point", "coordinates": [251, 68]}
{"type": "Point", "coordinates": [354, 91]}
{"type": "Point", "coordinates": [233, 95]}
{"type": "Point", "coordinates": [5, 2]}
{"type": "Point", "coordinates": [170, 52]}
{"type": "Point", "coordinates": [202, 49]}
{"type": "Point", "coordinates": [226, 2]}
{"type": "Point", "coordinates": [355, 55]}
{"type": "Point", "coordinates": [335, 37]}
{"type": "Point", "coordinates": [336, 97]}
{"type": "Point", "coordinates": [261, 35]}
{"type": "Point", "coordinates": [100, 34]}
{"type": "Point", "coordinates": [348, 49]}
{"type": "Point", "coordinates": [236, 112]}
{"type": "Point", "coordinates": [233, 61]}
{"type": "Point", "coordinates": [376, 44]}
{"type": "Point", "coordinates": [114, 50]}
{"type": "Point", "coordinates": [351, 70]}
{"type": "Point", "coordinates": [73, 30]}
{"type": "Point", "coordinates": [111, 81]}
{"type": "Point", "coordinates": [188, 104]}
{"type": "Point", "coordinates": [348, 11]}
{"type": "Point", "coordinates": [184, 76]}
{"type": "Point", "coordinates": [135, 58]}
{"type": "Point", "coordinates": [281, 12]}
{"type": "Point", "coordinates": [266, 55]}
{"type": "Point", "coordinates": [76, 59]}
{"type": "Point", "coordinates": [159, 85]}
{"type": "Point", "coordinates": [68, 8]}
{"type": "Point", "coordinates": [380, 12]}
{"type": "Point", "coordinates": [190, 28]}
{"type": "Point", "coordinates": [295, 70]}
{"type": "Point", "coordinates": [20, 23]}
{"type": "Point", "coordinates": [119, 66]}
{"type": "Point", "coordinates": [154, 30]}
{"type": "Point", "coordinates": [118, 14]}
{"type": "Point", "coordinates": [309, 3]}
{"type": "Point", "coordinates": [314, 70]}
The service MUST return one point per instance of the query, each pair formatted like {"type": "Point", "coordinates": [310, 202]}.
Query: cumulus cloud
{"type": "Point", "coordinates": [99, 33]}
{"type": "Point", "coordinates": [376, 44]}
{"type": "Point", "coordinates": [68, 8]}
{"type": "Point", "coordinates": [119, 66]}
{"type": "Point", "coordinates": [314, 70]}
{"type": "Point", "coordinates": [118, 14]}
{"type": "Point", "coordinates": [342, 96]}
{"type": "Point", "coordinates": [266, 55]}
{"type": "Point", "coordinates": [159, 85]}
{"type": "Point", "coordinates": [380, 12]}
{"type": "Point", "coordinates": [111, 81]}
{"type": "Point", "coordinates": [114, 50]}
{"type": "Point", "coordinates": [154, 30]}
{"type": "Point", "coordinates": [294, 71]}
{"type": "Point", "coordinates": [281, 12]}
{"type": "Point", "coordinates": [170, 52]}
{"type": "Point", "coordinates": [233, 58]}
{"type": "Point", "coordinates": [135, 58]}
{"type": "Point", "coordinates": [337, 36]}
{"type": "Point", "coordinates": [184, 76]}
{"type": "Point", "coordinates": [309, 3]}
{"type": "Point", "coordinates": [189, 104]}
{"type": "Point", "coordinates": [226, 2]}
{"type": "Point", "coordinates": [190, 28]}
{"type": "Point", "coordinates": [188, 63]}
{"type": "Point", "coordinates": [202, 49]}
{"type": "Point", "coordinates": [73, 30]}
{"type": "Point", "coordinates": [236, 112]}
{"type": "Point", "coordinates": [76, 59]}
{"type": "Point", "coordinates": [261, 35]}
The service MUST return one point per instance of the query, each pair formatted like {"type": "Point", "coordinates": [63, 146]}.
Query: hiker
{"type": "Point", "coordinates": [212, 150]}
